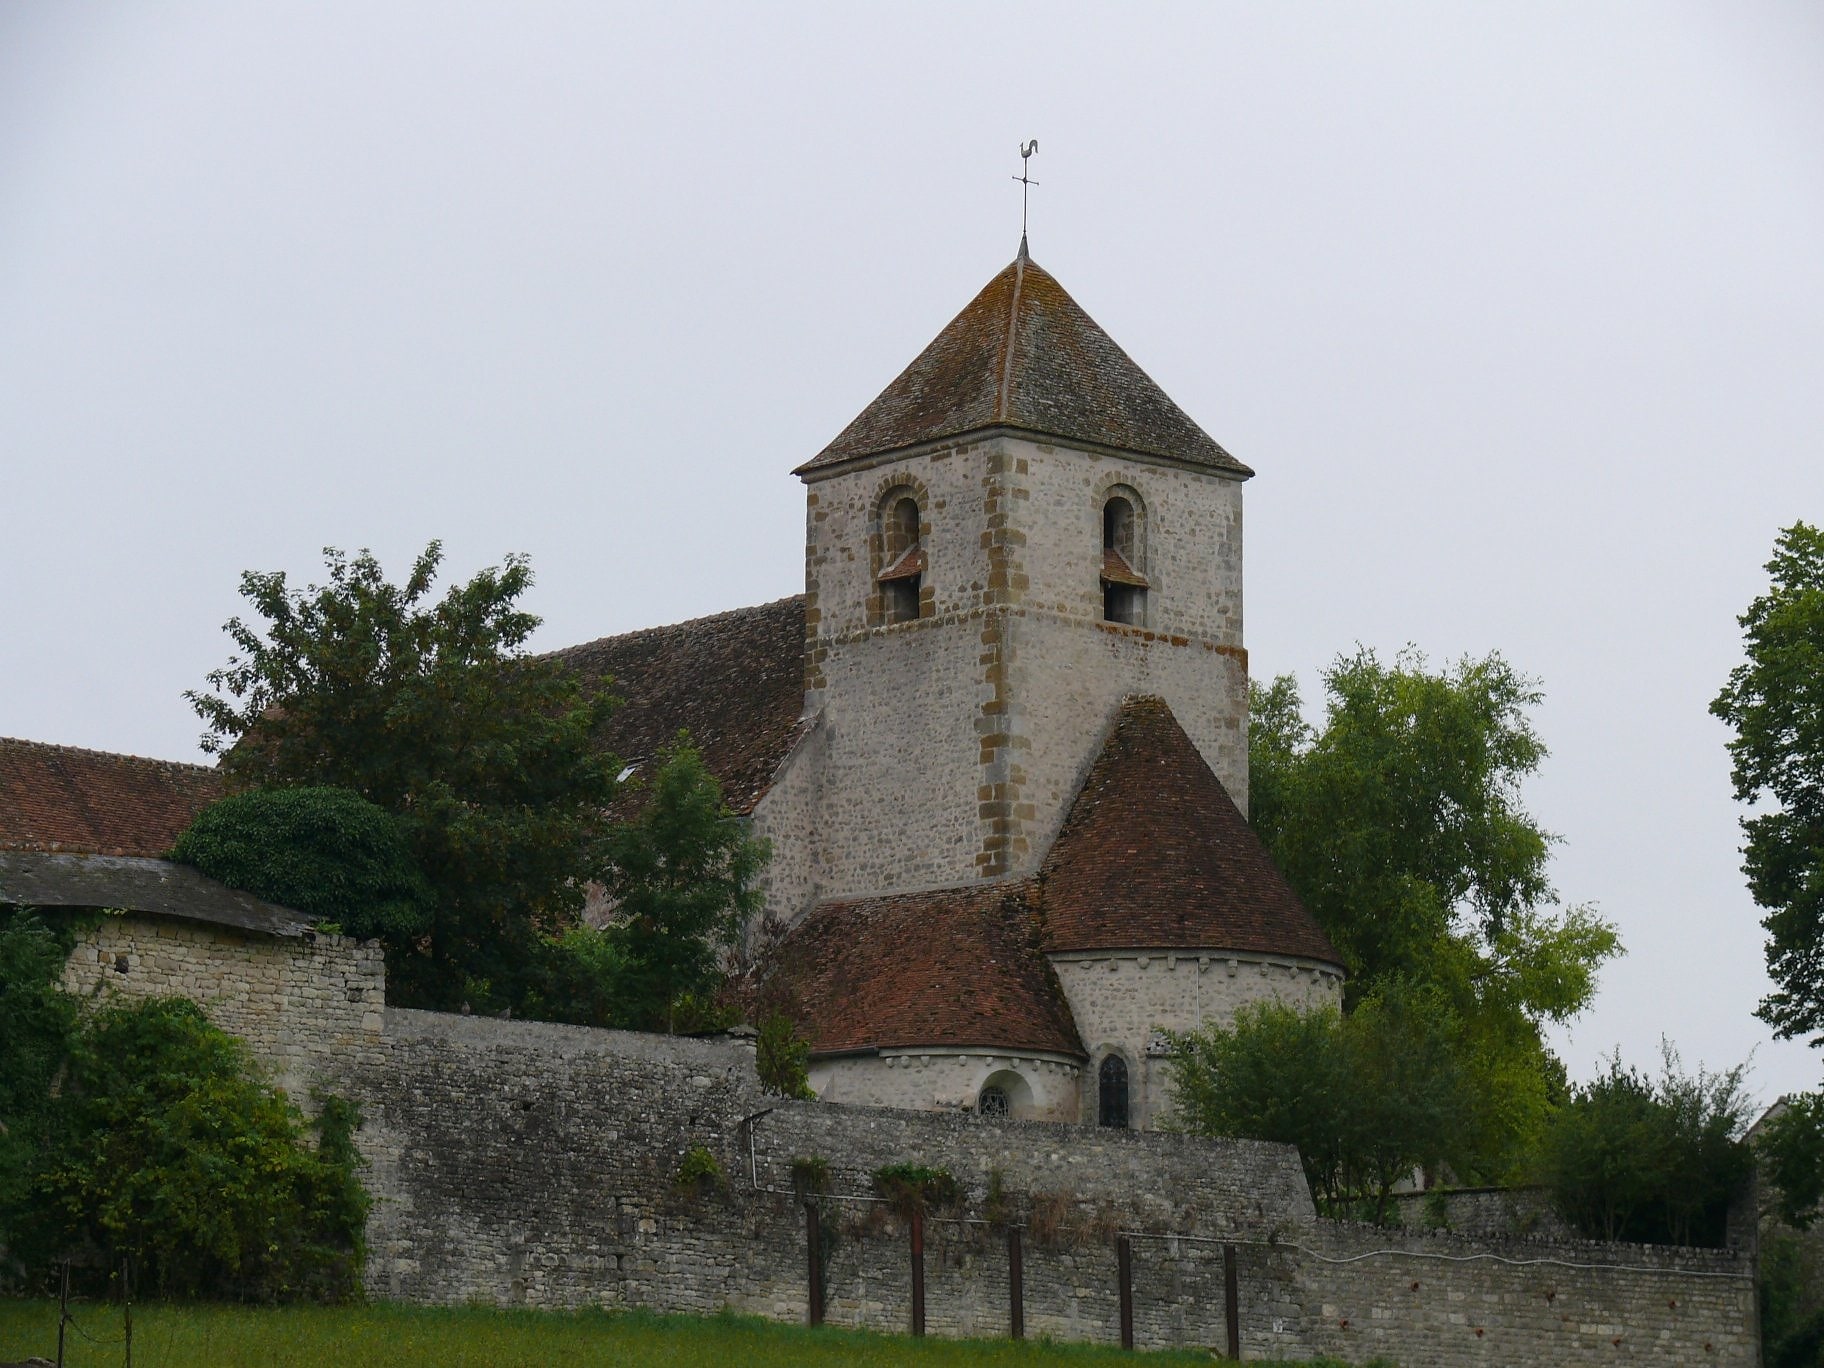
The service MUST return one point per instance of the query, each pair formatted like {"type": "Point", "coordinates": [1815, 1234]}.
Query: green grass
{"type": "Point", "coordinates": [206, 1336]}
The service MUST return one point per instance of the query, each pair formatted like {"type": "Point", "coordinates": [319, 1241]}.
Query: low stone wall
{"type": "Point", "coordinates": [304, 1006]}
{"type": "Point", "coordinates": [529, 1164]}
{"type": "Point", "coordinates": [1495, 1213]}
{"type": "Point", "coordinates": [1440, 1300]}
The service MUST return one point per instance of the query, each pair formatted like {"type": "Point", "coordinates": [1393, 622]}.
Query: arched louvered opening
{"type": "Point", "coordinates": [1124, 586]}
{"type": "Point", "coordinates": [902, 569]}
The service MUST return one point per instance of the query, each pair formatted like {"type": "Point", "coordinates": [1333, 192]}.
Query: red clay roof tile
{"type": "Point", "coordinates": [950, 967]}
{"type": "Point", "coordinates": [1155, 855]}
{"type": "Point", "coordinates": [62, 798]}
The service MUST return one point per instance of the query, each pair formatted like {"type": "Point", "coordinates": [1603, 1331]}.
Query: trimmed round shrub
{"type": "Point", "coordinates": [327, 852]}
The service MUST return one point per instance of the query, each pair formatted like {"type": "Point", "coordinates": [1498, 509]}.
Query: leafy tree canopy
{"type": "Point", "coordinates": [1774, 702]}
{"type": "Point", "coordinates": [327, 852]}
{"type": "Point", "coordinates": [1400, 824]}
{"type": "Point", "coordinates": [1367, 1098]}
{"type": "Point", "coordinates": [1791, 1149]}
{"type": "Point", "coordinates": [431, 711]}
{"type": "Point", "coordinates": [683, 880]}
{"type": "Point", "coordinates": [34, 1047]}
{"type": "Point", "coordinates": [1631, 1157]}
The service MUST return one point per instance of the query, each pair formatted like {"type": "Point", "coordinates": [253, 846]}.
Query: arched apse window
{"type": "Point", "coordinates": [1124, 584]}
{"type": "Point", "coordinates": [1111, 1092]}
{"type": "Point", "coordinates": [902, 560]}
{"type": "Point", "coordinates": [1004, 1095]}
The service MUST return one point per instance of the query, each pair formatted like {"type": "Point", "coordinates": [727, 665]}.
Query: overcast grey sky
{"type": "Point", "coordinates": [1518, 311]}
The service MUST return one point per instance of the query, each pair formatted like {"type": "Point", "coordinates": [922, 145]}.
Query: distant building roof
{"type": "Point", "coordinates": [65, 798]}
{"type": "Point", "coordinates": [134, 884]}
{"type": "Point", "coordinates": [1023, 354]}
{"type": "Point", "coordinates": [735, 681]}
{"type": "Point", "coordinates": [950, 967]}
{"type": "Point", "coordinates": [1155, 854]}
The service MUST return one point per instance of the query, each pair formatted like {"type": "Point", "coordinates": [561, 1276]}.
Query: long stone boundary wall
{"type": "Point", "coordinates": [531, 1164]}
{"type": "Point", "coordinates": [522, 1163]}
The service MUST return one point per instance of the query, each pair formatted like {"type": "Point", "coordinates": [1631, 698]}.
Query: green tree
{"type": "Point", "coordinates": [1774, 703]}
{"type": "Point", "coordinates": [34, 1050]}
{"type": "Point", "coordinates": [1630, 1157]}
{"type": "Point", "coordinates": [1400, 824]}
{"type": "Point", "coordinates": [172, 1149]}
{"type": "Point", "coordinates": [782, 1059]}
{"type": "Point", "coordinates": [326, 852]}
{"type": "Point", "coordinates": [431, 711]}
{"type": "Point", "coordinates": [1790, 1146]}
{"type": "Point", "coordinates": [1367, 1098]}
{"type": "Point", "coordinates": [682, 878]}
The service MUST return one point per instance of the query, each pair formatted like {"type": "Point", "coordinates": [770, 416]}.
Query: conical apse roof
{"type": "Point", "coordinates": [1024, 355]}
{"type": "Point", "coordinates": [1155, 855]}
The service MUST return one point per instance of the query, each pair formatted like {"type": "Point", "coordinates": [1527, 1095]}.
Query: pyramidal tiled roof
{"type": "Point", "coordinates": [1024, 355]}
{"type": "Point", "coordinates": [1155, 855]}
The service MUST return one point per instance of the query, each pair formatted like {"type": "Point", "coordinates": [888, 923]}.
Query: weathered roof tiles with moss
{"type": "Point", "coordinates": [64, 798]}
{"type": "Point", "coordinates": [951, 967]}
{"type": "Point", "coordinates": [1024, 355]}
{"type": "Point", "coordinates": [1155, 855]}
{"type": "Point", "coordinates": [735, 681]}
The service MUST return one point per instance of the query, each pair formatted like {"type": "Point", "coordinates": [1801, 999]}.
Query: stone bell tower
{"type": "Point", "coordinates": [1019, 533]}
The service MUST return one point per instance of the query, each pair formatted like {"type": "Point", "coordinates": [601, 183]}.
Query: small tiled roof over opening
{"type": "Point", "coordinates": [61, 798]}
{"type": "Point", "coordinates": [956, 967]}
{"type": "Point", "coordinates": [1023, 354]}
{"type": "Point", "coordinates": [735, 681]}
{"type": "Point", "coordinates": [1155, 855]}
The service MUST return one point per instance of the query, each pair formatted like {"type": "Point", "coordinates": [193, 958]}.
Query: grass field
{"type": "Point", "coordinates": [194, 1336]}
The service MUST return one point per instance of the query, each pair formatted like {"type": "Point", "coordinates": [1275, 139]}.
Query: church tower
{"type": "Point", "coordinates": [1020, 532]}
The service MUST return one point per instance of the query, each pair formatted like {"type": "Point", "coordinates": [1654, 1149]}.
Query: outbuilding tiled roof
{"type": "Point", "coordinates": [62, 798]}
{"type": "Point", "coordinates": [1023, 354]}
{"type": "Point", "coordinates": [1155, 855]}
{"type": "Point", "coordinates": [951, 967]}
{"type": "Point", "coordinates": [735, 681]}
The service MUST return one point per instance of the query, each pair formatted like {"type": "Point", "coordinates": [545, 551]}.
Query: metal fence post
{"type": "Point", "coordinates": [813, 1233]}
{"type": "Point", "coordinates": [918, 1270]}
{"type": "Point", "coordinates": [1124, 1266]}
{"type": "Point", "coordinates": [1016, 1284]}
{"type": "Point", "coordinates": [1231, 1297]}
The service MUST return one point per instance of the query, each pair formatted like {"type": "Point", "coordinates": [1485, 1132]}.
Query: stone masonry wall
{"type": "Point", "coordinates": [523, 1163]}
{"type": "Point", "coordinates": [1038, 1087]}
{"type": "Point", "coordinates": [1120, 1000]}
{"type": "Point", "coordinates": [303, 1006]}
{"type": "Point", "coordinates": [788, 816]}
{"type": "Point", "coordinates": [1441, 1301]}
{"type": "Point", "coordinates": [956, 742]}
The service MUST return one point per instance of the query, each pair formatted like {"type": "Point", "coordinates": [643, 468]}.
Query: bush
{"type": "Point", "coordinates": [699, 1171]}
{"type": "Point", "coordinates": [327, 852]}
{"type": "Point", "coordinates": [782, 1059]}
{"type": "Point", "coordinates": [35, 1044]}
{"type": "Point", "coordinates": [1654, 1161]}
{"type": "Point", "coordinates": [910, 1187]}
{"type": "Point", "coordinates": [171, 1149]}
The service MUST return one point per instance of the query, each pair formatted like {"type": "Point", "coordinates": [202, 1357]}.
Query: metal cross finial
{"type": "Point", "coordinates": [1026, 181]}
